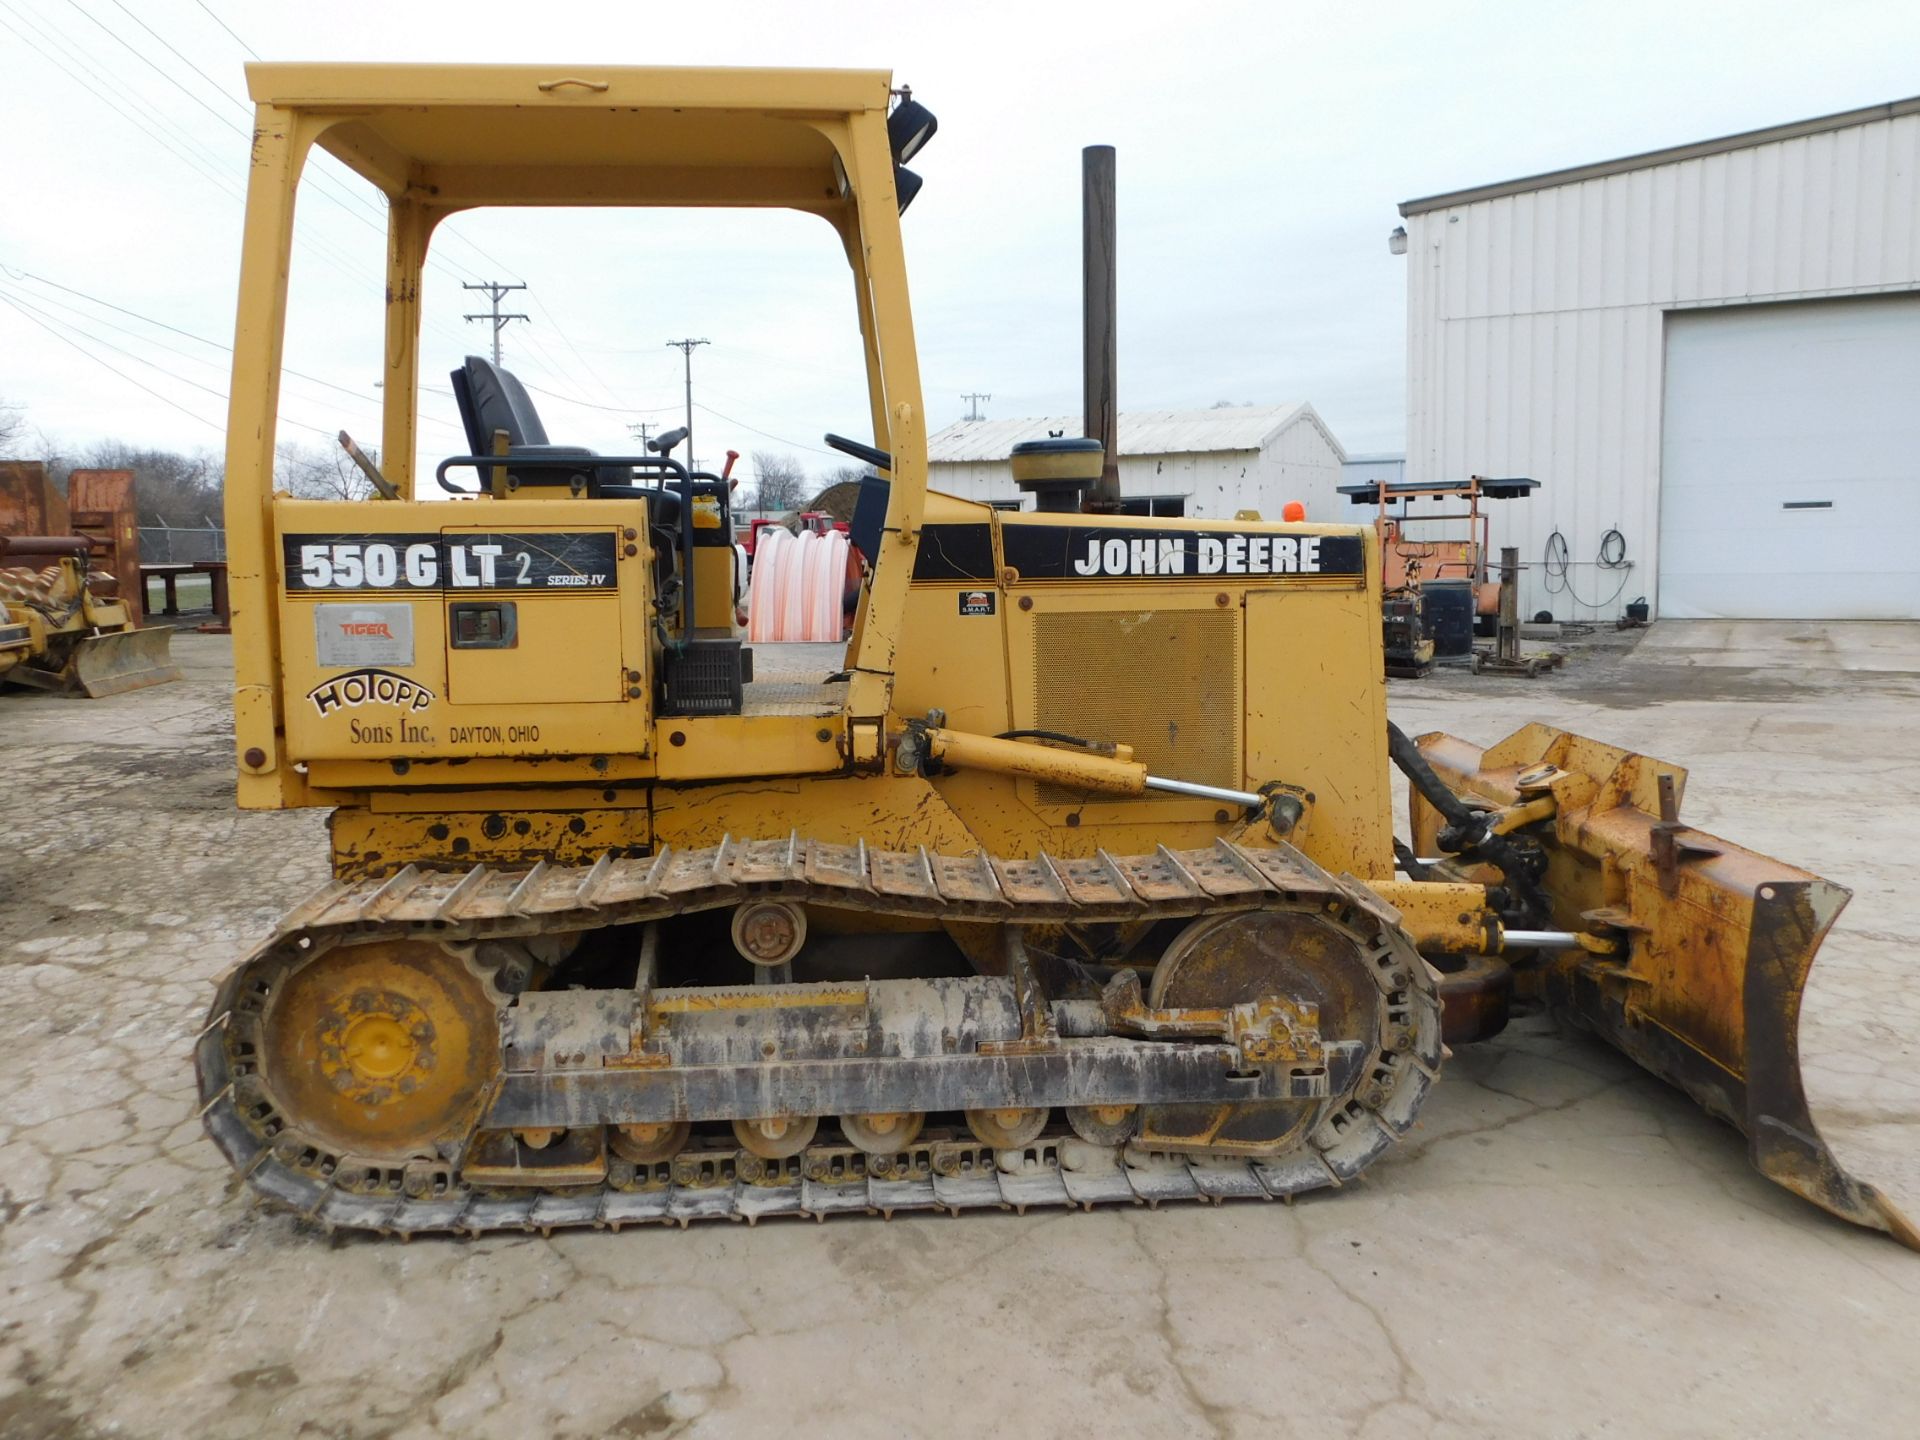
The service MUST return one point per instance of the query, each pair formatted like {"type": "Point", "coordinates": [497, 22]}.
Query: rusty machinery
{"type": "Point", "coordinates": [1070, 878]}
{"type": "Point", "coordinates": [68, 622]}
{"type": "Point", "coordinates": [63, 630]}
{"type": "Point", "coordinates": [1424, 567]}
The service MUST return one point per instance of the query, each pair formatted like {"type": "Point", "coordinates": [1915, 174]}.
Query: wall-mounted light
{"type": "Point", "coordinates": [1397, 241]}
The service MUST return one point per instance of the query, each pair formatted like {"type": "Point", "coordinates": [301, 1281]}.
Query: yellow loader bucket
{"type": "Point", "coordinates": [1714, 942]}
{"type": "Point", "coordinates": [116, 661]}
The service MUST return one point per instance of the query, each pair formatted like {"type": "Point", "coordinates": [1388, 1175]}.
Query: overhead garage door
{"type": "Point", "coordinates": [1790, 462]}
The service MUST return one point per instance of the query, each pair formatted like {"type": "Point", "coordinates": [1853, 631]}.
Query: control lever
{"type": "Point", "coordinates": [879, 459]}
{"type": "Point", "coordinates": [368, 468]}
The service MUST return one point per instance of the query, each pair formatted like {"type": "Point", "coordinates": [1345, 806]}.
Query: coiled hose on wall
{"type": "Point", "coordinates": [1557, 566]}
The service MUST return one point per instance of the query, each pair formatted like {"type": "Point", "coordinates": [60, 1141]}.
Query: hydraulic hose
{"type": "Point", "coordinates": [1468, 831]}
{"type": "Point", "coordinates": [1409, 862]}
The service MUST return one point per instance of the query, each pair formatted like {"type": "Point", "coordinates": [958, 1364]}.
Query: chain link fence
{"type": "Point", "coordinates": [173, 545]}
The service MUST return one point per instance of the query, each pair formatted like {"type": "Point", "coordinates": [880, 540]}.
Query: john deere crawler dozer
{"type": "Point", "coordinates": [1069, 879]}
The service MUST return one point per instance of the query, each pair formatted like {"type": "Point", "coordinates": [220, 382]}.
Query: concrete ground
{"type": "Point", "coordinates": [1565, 1248]}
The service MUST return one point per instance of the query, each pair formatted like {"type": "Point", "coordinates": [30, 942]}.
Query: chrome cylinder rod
{"type": "Point", "coordinates": [1206, 792]}
{"type": "Point", "coordinates": [1539, 940]}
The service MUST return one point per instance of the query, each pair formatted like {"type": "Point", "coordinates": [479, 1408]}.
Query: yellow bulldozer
{"type": "Point", "coordinates": [63, 628]}
{"type": "Point", "coordinates": [1069, 879]}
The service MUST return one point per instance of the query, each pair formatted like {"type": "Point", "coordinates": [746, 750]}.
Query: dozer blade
{"type": "Point", "coordinates": [1716, 942]}
{"type": "Point", "coordinates": [116, 661]}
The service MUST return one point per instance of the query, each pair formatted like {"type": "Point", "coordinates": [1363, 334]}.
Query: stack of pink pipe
{"type": "Point", "coordinates": [798, 584]}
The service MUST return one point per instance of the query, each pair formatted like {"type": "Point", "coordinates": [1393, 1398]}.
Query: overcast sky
{"type": "Point", "coordinates": [1262, 150]}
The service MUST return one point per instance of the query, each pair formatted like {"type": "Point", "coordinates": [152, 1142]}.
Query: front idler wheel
{"type": "Point", "coordinates": [383, 1050]}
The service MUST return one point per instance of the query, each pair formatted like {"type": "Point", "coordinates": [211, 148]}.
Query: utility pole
{"type": "Point", "coordinates": [973, 400]}
{"type": "Point", "coordinates": [686, 348]}
{"type": "Point", "coordinates": [496, 291]}
{"type": "Point", "coordinates": [642, 432]}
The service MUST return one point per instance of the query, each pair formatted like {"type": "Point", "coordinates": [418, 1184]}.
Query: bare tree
{"type": "Point", "coordinates": [172, 487]}
{"type": "Point", "coordinates": [780, 483]}
{"type": "Point", "coordinates": [320, 472]}
{"type": "Point", "coordinates": [13, 427]}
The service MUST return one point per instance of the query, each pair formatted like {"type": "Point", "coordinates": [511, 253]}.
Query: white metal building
{"type": "Point", "coordinates": [1172, 462]}
{"type": "Point", "coordinates": [1712, 349]}
{"type": "Point", "coordinates": [1360, 469]}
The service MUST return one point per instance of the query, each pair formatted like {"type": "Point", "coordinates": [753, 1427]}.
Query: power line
{"type": "Point", "coordinates": [567, 340]}
{"type": "Point", "coordinates": [155, 125]}
{"type": "Point", "coordinates": [589, 405]}
{"type": "Point", "coordinates": [152, 130]}
{"type": "Point", "coordinates": [448, 231]}
{"type": "Point", "coordinates": [228, 28]}
{"type": "Point", "coordinates": [246, 108]}
{"type": "Point", "coordinates": [25, 306]}
{"type": "Point", "coordinates": [340, 195]}
{"type": "Point", "coordinates": [798, 445]}
{"type": "Point", "coordinates": [199, 339]}
{"type": "Point", "coordinates": [220, 395]}
{"type": "Point", "coordinates": [164, 400]}
{"type": "Point", "coordinates": [172, 51]}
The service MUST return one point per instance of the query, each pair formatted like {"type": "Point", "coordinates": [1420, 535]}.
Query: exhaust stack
{"type": "Point", "coordinates": [1100, 353]}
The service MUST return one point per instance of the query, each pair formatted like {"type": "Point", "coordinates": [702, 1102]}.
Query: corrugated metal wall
{"type": "Point", "coordinates": [1301, 463]}
{"type": "Point", "coordinates": [1535, 321]}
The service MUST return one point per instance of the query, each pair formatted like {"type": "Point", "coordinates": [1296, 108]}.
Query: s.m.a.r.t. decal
{"type": "Point", "coordinates": [539, 560]}
{"type": "Point", "coordinates": [358, 688]}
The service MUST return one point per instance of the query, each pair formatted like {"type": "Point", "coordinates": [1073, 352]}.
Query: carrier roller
{"type": "Point", "coordinates": [389, 1060]}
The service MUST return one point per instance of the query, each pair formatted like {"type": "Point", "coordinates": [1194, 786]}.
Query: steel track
{"type": "Point", "coordinates": [936, 1174]}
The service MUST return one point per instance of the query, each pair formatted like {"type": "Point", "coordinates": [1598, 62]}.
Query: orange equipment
{"type": "Point", "coordinates": [1409, 562]}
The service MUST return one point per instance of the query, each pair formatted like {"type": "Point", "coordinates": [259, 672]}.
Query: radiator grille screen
{"type": "Point", "coordinates": [1166, 682]}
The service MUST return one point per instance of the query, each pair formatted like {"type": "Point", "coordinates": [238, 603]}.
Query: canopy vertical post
{"type": "Point", "coordinates": [870, 690]}
{"type": "Point", "coordinates": [281, 141]}
{"type": "Point", "coordinates": [409, 224]}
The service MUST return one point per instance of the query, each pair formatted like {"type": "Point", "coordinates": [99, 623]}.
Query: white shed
{"type": "Point", "coordinates": [1209, 463]}
{"type": "Point", "coordinates": [1707, 355]}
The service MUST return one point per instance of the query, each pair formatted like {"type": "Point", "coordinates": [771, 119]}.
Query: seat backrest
{"type": "Point", "coordinates": [491, 399]}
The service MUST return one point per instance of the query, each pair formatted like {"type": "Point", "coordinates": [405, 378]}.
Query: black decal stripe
{"type": "Point", "coordinates": [1068, 552]}
{"type": "Point", "coordinates": [549, 555]}
{"type": "Point", "coordinates": [954, 552]}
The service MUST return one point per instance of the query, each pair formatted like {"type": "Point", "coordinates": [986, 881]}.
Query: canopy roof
{"type": "Point", "coordinates": [595, 134]}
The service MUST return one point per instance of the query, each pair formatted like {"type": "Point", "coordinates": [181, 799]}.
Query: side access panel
{"type": "Point", "coordinates": [406, 637]}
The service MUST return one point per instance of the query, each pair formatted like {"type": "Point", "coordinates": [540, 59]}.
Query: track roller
{"type": "Point", "coordinates": [1104, 1124]}
{"type": "Point", "coordinates": [649, 1144]}
{"type": "Point", "coordinates": [778, 1137]}
{"type": "Point", "coordinates": [1007, 1127]}
{"type": "Point", "coordinates": [885, 1134]}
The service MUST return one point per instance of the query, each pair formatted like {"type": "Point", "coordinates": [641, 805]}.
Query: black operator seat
{"type": "Point", "coordinates": [493, 399]}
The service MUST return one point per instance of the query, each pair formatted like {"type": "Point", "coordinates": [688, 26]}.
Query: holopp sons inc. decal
{"type": "Point", "coordinates": [369, 687]}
